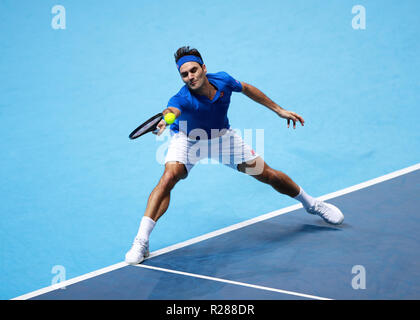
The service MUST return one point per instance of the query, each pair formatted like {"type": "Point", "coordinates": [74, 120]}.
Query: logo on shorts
{"type": "Point", "coordinates": [253, 152]}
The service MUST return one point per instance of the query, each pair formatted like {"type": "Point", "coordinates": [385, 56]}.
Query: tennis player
{"type": "Point", "coordinates": [201, 130]}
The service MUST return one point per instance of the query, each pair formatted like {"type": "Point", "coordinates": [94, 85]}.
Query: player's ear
{"type": "Point", "coordinates": [204, 68]}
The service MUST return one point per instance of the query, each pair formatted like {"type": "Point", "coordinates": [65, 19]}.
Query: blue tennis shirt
{"type": "Point", "coordinates": [200, 112]}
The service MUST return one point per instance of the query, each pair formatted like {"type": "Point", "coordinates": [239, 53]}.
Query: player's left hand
{"type": "Point", "coordinates": [291, 116]}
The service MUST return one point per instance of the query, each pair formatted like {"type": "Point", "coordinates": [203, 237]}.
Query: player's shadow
{"type": "Point", "coordinates": [252, 240]}
{"type": "Point", "coordinates": [292, 233]}
{"type": "Point", "coordinates": [241, 254]}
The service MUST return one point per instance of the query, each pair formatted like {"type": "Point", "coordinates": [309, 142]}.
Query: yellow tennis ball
{"type": "Point", "coordinates": [169, 118]}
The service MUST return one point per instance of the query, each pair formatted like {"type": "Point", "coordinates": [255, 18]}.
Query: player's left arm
{"type": "Point", "coordinates": [258, 96]}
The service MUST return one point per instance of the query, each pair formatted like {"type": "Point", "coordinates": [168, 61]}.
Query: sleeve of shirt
{"type": "Point", "coordinates": [177, 102]}
{"type": "Point", "coordinates": [234, 84]}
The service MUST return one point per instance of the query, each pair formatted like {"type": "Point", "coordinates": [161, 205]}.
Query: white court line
{"type": "Point", "coordinates": [222, 231]}
{"type": "Point", "coordinates": [71, 281]}
{"type": "Point", "coordinates": [233, 282]}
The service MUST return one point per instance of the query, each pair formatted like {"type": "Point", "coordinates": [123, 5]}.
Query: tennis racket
{"type": "Point", "coordinates": [147, 126]}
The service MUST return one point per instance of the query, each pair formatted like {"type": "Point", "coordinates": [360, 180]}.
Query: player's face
{"type": "Point", "coordinates": [193, 74]}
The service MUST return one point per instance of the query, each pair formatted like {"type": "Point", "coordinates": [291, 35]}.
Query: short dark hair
{"type": "Point", "coordinates": [186, 51]}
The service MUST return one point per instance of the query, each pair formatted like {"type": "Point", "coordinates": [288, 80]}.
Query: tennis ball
{"type": "Point", "coordinates": [169, 118]}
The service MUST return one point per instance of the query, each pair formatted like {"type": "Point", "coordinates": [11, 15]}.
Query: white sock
{"type": "Point", "coordinates": [146, 226]}
{"type": "Point", "coordinates": [306, 200]}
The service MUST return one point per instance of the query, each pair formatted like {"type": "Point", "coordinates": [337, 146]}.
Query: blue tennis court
{"type": "Point", "coordinates": [78, 76]}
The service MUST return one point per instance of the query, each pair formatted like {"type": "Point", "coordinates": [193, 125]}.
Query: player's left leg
{"type": "Point", "coordinates": [261, 171]}
{"type": "Point", "coordinates": [282, 183]}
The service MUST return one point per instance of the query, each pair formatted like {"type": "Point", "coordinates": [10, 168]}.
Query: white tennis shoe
{"type": "Point", "coordinates": [327, 211]}
{"type": "Point", "coordinates": [138, 251]}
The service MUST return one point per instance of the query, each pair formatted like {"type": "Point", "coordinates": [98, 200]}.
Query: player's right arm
{"type": "Point", "coordinates": [174, 110]}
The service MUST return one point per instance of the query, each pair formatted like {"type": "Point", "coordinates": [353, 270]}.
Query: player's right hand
{"type": "Point", "coordinates": [160, 127]}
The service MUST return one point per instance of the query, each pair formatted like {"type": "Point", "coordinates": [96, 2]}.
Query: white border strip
{"type": "Point", "coordinates": [222, 231]}
{"type": "Point", "coordinates": [369, 183]}
{"type": "Point", "coordinates": [232, 282]}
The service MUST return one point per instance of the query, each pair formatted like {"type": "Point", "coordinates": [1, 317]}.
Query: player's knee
{"type": "Point", "coordinates": [176, 170]}
{"type": "Point", "coordinates": [256, 167]}
{"type": "Point", "coordinates": [266, 176]}
{"type": "Point", "coordinates": [170, 178]}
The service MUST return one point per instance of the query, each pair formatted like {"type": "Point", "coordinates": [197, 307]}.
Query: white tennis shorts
{"type": "Point", "coordinates": [228, 149]}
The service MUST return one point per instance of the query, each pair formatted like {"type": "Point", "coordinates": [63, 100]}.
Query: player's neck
{"type": "Point", "coordinates": [207, 90]}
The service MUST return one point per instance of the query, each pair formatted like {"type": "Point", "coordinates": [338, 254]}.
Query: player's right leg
{"type": "Point", "coordinates": [156, 206]}
{"type": "Point", "coordinates": [177, 167]}
{"type": "Point", "coordinates": [158, 201]}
